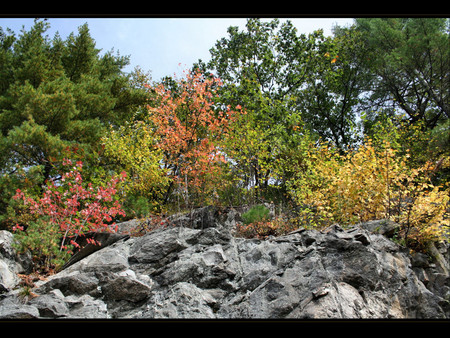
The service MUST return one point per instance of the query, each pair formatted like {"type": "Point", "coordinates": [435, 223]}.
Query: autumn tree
{"type": "Point", "coordinates": [369, 183]}
{"type": "Point", "coordinates": [189, 126]}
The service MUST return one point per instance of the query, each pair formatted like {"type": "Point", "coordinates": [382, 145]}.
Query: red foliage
{"type": "Point", "coordinates": [75, 207]}
{"type": "Point", "coordinates": [189, 127]}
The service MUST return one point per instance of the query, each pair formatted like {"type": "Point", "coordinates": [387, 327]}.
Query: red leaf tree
{"type": "Point", "coordinates": [70, 208]}
{"type": "Point", "coordinates": [190, 126]}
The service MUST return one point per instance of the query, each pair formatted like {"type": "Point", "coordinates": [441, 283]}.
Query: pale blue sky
{"type": "Point", "coordinates": [159, 45]}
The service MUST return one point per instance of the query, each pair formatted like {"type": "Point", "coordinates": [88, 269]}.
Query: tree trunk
{"type": "Point", "coordinates": [47, 170]}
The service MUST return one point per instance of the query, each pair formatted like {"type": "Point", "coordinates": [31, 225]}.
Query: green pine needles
{"type": "Point", "coordinates": [257, 213]}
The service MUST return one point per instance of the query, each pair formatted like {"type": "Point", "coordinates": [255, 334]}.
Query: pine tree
{"type": "Point", "coordinates": [57, 95]}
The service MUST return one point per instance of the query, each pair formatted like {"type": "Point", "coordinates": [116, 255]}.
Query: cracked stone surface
{"type": "Point", "coordinates": [205, 272]}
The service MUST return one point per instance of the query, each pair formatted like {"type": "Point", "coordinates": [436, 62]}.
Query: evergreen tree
{"type": "Point", "coordinates": [58, 95]}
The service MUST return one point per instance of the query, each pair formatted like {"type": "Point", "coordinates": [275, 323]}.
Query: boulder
{"type": "Point", "coordinates": [51, 305]}
{"type": "Point", "coordinates": [11, 263]}
{"type": "Point", "coordinates": [13, 308]}
{"type": "Point", "coordinates": [204, 271]}
{"type": "Point", "coordinates": [383, 227]}
{"type": "Point", "coordinates": [103, 239]}
{"type": "Point", "coordinates": [200, 218]}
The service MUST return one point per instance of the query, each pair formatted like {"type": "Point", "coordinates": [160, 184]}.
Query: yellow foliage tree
{"type": "Point", "coordinates": [372, 183]}
{"type": "Point", "coordinates": [133, 148]}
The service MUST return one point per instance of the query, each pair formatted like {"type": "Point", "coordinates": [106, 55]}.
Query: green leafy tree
{"type": "Point", "coordinates": [332, 96]}
{"type": "Point", "coordinates": [409, 61]}
{"type": "Point", "coordinates": [256, 67]}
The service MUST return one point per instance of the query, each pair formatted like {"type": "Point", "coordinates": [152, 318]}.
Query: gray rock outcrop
{"type": "Point", "coordinates": [10, 263]}
{"type": "Point", "coordinates": [207, 272]}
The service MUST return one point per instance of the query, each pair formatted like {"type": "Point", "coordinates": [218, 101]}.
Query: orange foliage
{"type": "Point", "coordinates": [189, 127]}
